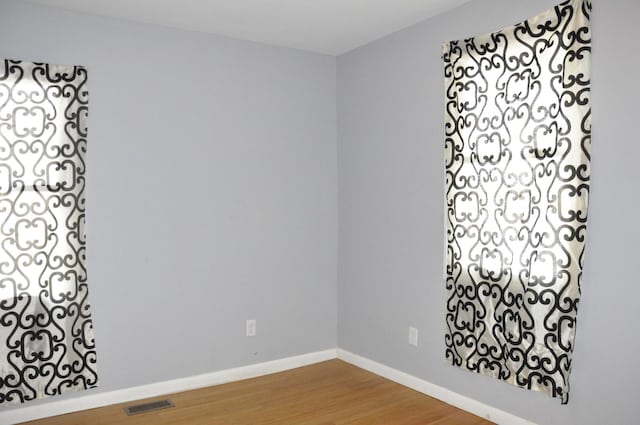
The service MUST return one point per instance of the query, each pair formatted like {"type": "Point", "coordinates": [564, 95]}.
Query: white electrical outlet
{"type": "Point", "coordinates": [251, 327]}
{"type": "Point", "coordinates": [413, 336]}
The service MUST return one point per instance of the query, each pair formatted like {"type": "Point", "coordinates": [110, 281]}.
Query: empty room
{"type": "Point", "coordinates": [319, 212]}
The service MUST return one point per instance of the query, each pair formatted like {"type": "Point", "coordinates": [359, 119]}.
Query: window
{"type": "Point", "coordinates": [46, 332]}
{"type": "Point", "coordinates": [517, 140]}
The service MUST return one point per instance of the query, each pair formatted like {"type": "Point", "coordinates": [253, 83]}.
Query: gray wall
{"type": "Point", "coordinates": [212, 199]}
{"type": "Point", "coordinates": [212, 191]}
{"type": "Point", "coordinates": [390, 162]}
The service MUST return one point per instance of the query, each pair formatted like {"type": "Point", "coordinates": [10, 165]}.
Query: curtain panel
{"type": "Point", "coordinates": [517, 169]}
{"type": "Point", "coordinates": [46, 332]}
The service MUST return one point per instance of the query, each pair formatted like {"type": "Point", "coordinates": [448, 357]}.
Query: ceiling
{"type": "Point", "coordinates": [323, 26]}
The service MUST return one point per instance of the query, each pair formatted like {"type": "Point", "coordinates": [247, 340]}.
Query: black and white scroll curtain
{"type": "Point", "coordinates": [517, 141]}
{"type": "Point", "coordinates": [46, 333]}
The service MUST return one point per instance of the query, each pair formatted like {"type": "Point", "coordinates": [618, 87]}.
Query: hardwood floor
{"type": "Point", "coordinates": [327, 393]}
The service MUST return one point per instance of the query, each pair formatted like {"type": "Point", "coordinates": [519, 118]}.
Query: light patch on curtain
{"type": "Point", "coordinates": [517, 141]}
{"type": "Point", "coordinates": [46, 332]}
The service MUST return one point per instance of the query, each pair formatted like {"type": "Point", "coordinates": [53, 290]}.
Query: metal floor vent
{"type": "Point", "coordinates": [148, 407]}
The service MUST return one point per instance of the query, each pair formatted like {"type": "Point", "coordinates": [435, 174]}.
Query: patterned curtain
{"type": "Point", "coordinates": [517, 141]}
{"type": "Point", "coordinates": [46, 334]}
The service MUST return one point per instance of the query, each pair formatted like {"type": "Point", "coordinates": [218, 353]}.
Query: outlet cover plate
{"type": "Point", "coordinates": [413, 336]}
{"type": "Point", "coordinates": [251, 327]}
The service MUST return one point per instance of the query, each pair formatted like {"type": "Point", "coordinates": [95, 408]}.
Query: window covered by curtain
{"type": "Point", "coordinates": [46, 333]}
{"type": "Point", "coordinates": [517, 140]}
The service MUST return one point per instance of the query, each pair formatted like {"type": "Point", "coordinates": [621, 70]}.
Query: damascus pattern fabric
{"type": "Point", "coordinates": [517, 141]}
{"type": "Point", "coordinates": [46, 333]}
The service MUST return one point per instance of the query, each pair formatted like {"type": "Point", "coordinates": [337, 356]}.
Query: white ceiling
{"type": "Point", "coordinates": [324, 26]}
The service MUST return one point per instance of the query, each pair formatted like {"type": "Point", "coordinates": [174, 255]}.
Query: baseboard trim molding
{"type": "Point", "coordinates": [465, 403]}
{"type": "Point", "coordinates": [91, 401]}
{"type": "Point", "coordinates": [39, 411]}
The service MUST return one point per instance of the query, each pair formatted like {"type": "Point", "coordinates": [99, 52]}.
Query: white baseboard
{"type": "Point", "coordinates": [91, 401]}
{"type": "Point", "coordinates": [465, 403]}
{"type": "Point", "coordinates": [29, 413]}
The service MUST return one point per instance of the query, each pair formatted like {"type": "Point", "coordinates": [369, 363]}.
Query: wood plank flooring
{"type": "Point", "coordinates": [327, 393]}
